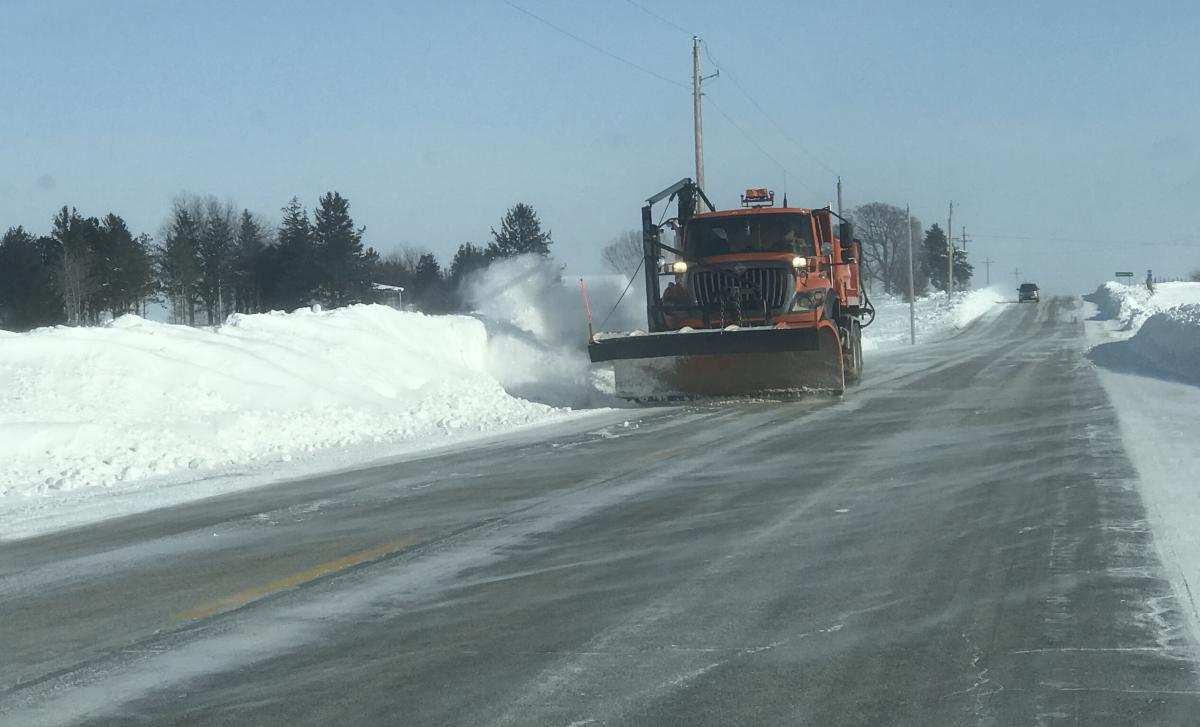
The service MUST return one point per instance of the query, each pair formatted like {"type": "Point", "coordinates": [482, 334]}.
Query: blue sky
{"type": "Point", "coordinates": [1066, 133]}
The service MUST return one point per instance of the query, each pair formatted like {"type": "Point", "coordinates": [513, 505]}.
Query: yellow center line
{"type": "Point", "coordinates": [309, 574]}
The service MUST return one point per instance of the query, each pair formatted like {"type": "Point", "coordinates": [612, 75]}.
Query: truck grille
{"type": "Point", "coordinates": [754, 286]}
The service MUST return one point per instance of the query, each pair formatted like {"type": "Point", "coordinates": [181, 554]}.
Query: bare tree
{"type": "Point", "coordinates": [624, 252]}
{"type": "Point", "coordinates": [407, 257]}
{"type": "Point", "coordinates": [881, 228]}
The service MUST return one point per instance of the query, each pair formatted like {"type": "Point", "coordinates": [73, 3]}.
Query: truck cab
{"type": "Point", "coordinates": [762, 266]}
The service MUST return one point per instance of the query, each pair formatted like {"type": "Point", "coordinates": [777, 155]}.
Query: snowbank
{"type": "Point", "coordinates": [936, 319]}
{"type": "Point", "coordinates": [1131, 305]}
{"type": "Point", "coordinates": [1150, 345]}
{"type": "Point", "coordinates": [108, 406]}
{"type": "Point", "coordinates": [1165, 327]}
{"type": "Point", "coordinates": [1158, 421]}
{"type": "Point", "coordinates": [1149, 349]}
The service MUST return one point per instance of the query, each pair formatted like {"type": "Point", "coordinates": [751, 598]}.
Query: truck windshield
{"type": "Point", "coordinates": [749, 233]}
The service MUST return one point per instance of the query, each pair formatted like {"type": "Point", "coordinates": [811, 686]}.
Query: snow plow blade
{"type": "Point", "coordinates": [746, 362]}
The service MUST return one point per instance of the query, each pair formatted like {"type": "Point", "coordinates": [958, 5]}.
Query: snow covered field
{"type": "Point", "coordinates": [105, 421]}
{"type": "Point", "coordinates": [1148, 348]}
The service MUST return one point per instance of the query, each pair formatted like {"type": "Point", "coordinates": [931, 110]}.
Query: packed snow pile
{"type": "Point", "coordinates": [84, 407]}
{"type": "Point", "coordinates": [1131, 305]}
{"type": "Point", "coordinates": [1163, 329]}
{"type": "Point", "coordinates": [1167, 345]}
{"type": "Point", "coordinates": [936, 318]}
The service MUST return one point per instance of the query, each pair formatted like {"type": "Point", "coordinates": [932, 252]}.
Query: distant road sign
{"type": "Point", "coordinates": [1124, 275]}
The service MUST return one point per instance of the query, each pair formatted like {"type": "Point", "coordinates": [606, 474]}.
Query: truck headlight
{"type": "Point", "coordinates": [799, 262]}
{"type": "Point", "coordinates": [680, 267]}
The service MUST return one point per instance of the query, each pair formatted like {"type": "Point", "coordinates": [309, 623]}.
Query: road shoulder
{"type": "Point", "coordinates": [1158, 422]}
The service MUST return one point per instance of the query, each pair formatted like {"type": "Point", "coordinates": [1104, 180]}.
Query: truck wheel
{"type": "Point", "coordinates": [853, 354]}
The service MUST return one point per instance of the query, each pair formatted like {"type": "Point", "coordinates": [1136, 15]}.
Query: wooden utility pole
{"type": "Point", "coordinates": [950, 251]}
{"type": "Point", "coordinates": [987, 267]}
{"type": "Point", "coordinates": [696, 115]}
{"type": "Point", "coordinates": [912, 301]}
{"type": "Point", "coordinates": [1016, 277]}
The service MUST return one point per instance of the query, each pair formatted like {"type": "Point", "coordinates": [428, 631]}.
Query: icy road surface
{"type": "Point", "coordinates": [958, 541]}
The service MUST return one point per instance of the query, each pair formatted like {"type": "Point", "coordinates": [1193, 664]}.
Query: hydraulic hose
{"type": "Point", "coordinates": [868, 310]}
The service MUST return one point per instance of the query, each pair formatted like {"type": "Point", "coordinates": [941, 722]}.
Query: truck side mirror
{"type": "Point", "coordinates": [846, 235]}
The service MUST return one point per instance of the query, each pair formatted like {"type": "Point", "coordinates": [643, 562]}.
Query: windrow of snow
{"type": "Point", "coordinates": [1165, 327]}
{"type": "Point", "coordinates": [1131, 305]}
{"type": "Point", "coordinates": [936, 317]}
{"type": "Point", "coordinates": [111, 405]}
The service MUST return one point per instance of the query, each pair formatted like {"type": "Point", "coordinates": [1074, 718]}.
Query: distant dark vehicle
{"type": "Point", "coordinates": [1027, 291]}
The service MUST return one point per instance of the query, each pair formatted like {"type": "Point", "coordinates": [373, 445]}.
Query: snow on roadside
{"type": "Point", "coordinates": [1131, 305]}
{"type": "Point", "coordinates": [1148, 348]}
{"type": "Point", "coordinates": [936, 319]}
{"type": "Point", "coordinates": [1158, 421]}
{"type": "Point", "coordinates": [1161, 331]}
{"type": "Point", "coordinates": [109, 406]}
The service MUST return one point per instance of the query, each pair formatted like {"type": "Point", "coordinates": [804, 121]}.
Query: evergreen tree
{"type": "Point", "coordinates": [249, 265]}
{"type": "Point", "coordinates": [344, 267]}
{"type": "Point", "coordinates": [179, 264]}
{"type": "Point", "coordinates": [217, 250]}
{"type": "Point", "coordinates": [468, 259]}
{"type": "Point", "coordinates": [520, 233]}
{"type": "Point", "coordinates": [429, 287]}
{"type": "Point", "coordinates": [125, 270]}
{"type": "Point", "coordinates": [28, 298]}
{"type": "Point", "coordinates": [934, 249]}
{"type": "Point", "coordinates": [963, 270]}
{"type": "Point", "coordinates": [141, 274]}
{"type": "Point", "coordinates": [291, 275]}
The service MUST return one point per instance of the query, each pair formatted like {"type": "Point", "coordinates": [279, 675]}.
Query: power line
{"type": "Point", "coordinates": [660, 18]}
{"type": "Point", "coordinates": [750, 138]}
{"type": "Point", "coordinates": [763, 111]}
{"type": "Point", "coordinates": [595, 47]}
{"type": "Point", "coordinates": [1089, 241]}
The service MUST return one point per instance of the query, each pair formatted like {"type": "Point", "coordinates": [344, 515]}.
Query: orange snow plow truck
{"type": "Point", "coordinates": [759, 301]}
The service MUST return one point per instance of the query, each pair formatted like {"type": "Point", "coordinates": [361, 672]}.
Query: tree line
{"type": "Point", "coordinates": [882, 231]}
{"type": "Point", "coordinates": [212, 259]}
{"type": "Point", "coordinates": [434, 289]}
